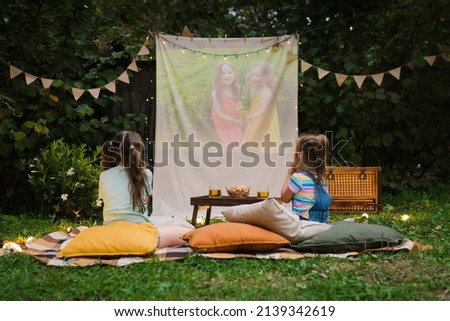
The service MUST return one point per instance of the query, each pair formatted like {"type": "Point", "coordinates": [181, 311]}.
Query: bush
{"type": "Point", "coordinates": [64, 180]}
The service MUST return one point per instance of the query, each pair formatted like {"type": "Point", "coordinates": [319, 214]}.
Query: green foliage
{"type": "Point", "coordinates": [64, 179]}
{"type": "Point", "coordinates": [77, 45]}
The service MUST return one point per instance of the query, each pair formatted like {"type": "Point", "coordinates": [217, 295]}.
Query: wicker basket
{"type": "Point", "coordinates": [238, 191]}
{"type": "Point", "coordinates": [354, 189]}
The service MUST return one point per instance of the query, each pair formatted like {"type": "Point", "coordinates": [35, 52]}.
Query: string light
{"type": "Point", "coordinates": [266, 48]}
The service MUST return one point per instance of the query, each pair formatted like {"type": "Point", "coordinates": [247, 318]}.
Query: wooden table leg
{"type": "Point", "coordinates": [194, 216]}
{"type": "Point", "coordinates": [208, 215]}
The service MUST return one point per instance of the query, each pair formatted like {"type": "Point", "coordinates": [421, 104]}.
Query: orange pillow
{"type": "Point", "coordinates": [233, 238]}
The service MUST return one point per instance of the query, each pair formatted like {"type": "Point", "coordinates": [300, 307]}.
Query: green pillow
{"type": "Point", "coordinates": [350, 237]}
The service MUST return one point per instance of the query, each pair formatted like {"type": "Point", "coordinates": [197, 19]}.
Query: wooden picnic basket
{"type": "Point", "coordinates": [354, 189]}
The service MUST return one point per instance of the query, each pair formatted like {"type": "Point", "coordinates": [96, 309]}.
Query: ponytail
{"type": "Point", "coordinates": [127, 149]}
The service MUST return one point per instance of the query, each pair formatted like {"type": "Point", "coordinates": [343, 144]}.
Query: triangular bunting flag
{"type": "Point", "coordinates": [322, 73]}
{"type": "Point", "coordinates": [46, 83]}
{"type": "Point", "coordinates": [340, 78]}
{"type": "Point", "coordinates": [95, 92]}
{"type": "Point", "coordinates": [133, 66]}
{"type": "Point", "coordinates": [305, 65]}
{"type": "Point", "coordinates": [411, 64]}
{"type": "Point", "coordinates": [14, 72]}
{"type": "Point", "coordinates": [290, 57]}
{"type": "Point", "coordinates": [186, 32]}
{"type": "Point", "coordinates": [148, 41]}
{"type": "Point", "coordinates": [111, 86]}
{"type": "Point", "coordinates": [144, 51]}
{"type": "Point", "coordinates": [275, 48]}
{"type": "Point", "coordinates": [378, 78]}
{"type": "Point", "coordinates": [29, 78]}
{"type": "Point", "coordinates": [395, 72]}
{"type": "Point", "coordinates": [430, 59]}
{"type": "Point", "coordinates": [446, 56]}
{"type": "Point", "coordinates": [359, 80]}
{"type": "Point", "coordinates": [77, 92]}
{"type": "Point", "coordinates": [124, 77]}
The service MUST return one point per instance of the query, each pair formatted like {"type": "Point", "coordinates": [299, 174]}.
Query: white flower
{"type": "Point", "coordinates": [70, 172]}
{"type": "Point", "coordinates": [405, 217]}
{"type": "Point", "coordinates": [64, 197]}
{"type": "Point", "coordinates": [99, 202]}
{"type": "Point", "coordinates": [11, 247]}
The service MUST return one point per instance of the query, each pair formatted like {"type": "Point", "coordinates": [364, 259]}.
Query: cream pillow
{"type": "Point", "coordinates": [119, 238]}
{"type": "Point", "coordinates": [273, 216]}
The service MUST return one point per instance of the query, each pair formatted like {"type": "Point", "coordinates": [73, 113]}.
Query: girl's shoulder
{"type": "Point", "coordinates": [307, 173]}
{"type": "Point", "coordinates": [302, 175]}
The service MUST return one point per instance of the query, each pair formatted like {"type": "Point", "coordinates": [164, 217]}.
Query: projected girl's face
{"type": "Point", "coordinates": [227, 75]}
{"type": "Point", "coordinates": [256, 77]}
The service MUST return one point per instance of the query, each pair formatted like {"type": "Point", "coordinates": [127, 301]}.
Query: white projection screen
{"type": "Point", "coordinates": [226, 115]}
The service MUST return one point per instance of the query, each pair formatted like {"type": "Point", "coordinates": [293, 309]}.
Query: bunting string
{"type": "Point", "coordinates": [271, 47]}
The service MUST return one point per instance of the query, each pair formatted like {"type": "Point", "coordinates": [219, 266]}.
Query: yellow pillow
{"type": "Point", "coordinates": [116, 239]}
{"type": "Point", "coordinates": [233, 237]}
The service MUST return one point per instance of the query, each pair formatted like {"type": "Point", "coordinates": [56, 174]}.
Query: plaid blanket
{"type": "Point", "coordinates": [45, 249]}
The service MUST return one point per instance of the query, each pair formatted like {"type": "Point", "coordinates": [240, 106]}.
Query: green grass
{"type": "Point", "coordinates": [419, 276]}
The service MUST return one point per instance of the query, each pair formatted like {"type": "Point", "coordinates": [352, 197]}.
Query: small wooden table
{"type": "Point", "coordinates": [198, 201]}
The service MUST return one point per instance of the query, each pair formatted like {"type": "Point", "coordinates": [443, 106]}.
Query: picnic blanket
{"type": "Point", "coordinates": [46, 248]}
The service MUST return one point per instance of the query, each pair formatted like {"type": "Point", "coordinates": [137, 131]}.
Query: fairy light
{"type": "Point", "coordinates": [265, 48]}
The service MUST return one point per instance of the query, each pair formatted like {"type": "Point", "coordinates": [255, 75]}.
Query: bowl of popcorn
{"type": "Point", "coordinates": [238, 191]}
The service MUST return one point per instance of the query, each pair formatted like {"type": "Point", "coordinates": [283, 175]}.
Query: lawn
{"type": "Point", "coordinates": [422, 275]}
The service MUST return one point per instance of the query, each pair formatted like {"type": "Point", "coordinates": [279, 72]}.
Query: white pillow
{"type": "Point", "coordinates": [271, 215]}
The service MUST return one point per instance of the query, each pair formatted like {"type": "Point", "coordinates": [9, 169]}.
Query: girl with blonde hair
{"type": "Point", "coordinates": [305, 183]}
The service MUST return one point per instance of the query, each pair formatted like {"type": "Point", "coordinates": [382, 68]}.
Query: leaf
{"type": "Point", "coordinates": [394, 97]}
{"type": "Point", "coordinates": [84, 127]}
{"type": "Point", "coordinates": [19, 135]}
{"type": "Point", "coordinates": [29, 124]}
{"type": "Point", "coordinates": [380, 96]}
{"type": "Point", "coordinates": [387, 139]}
